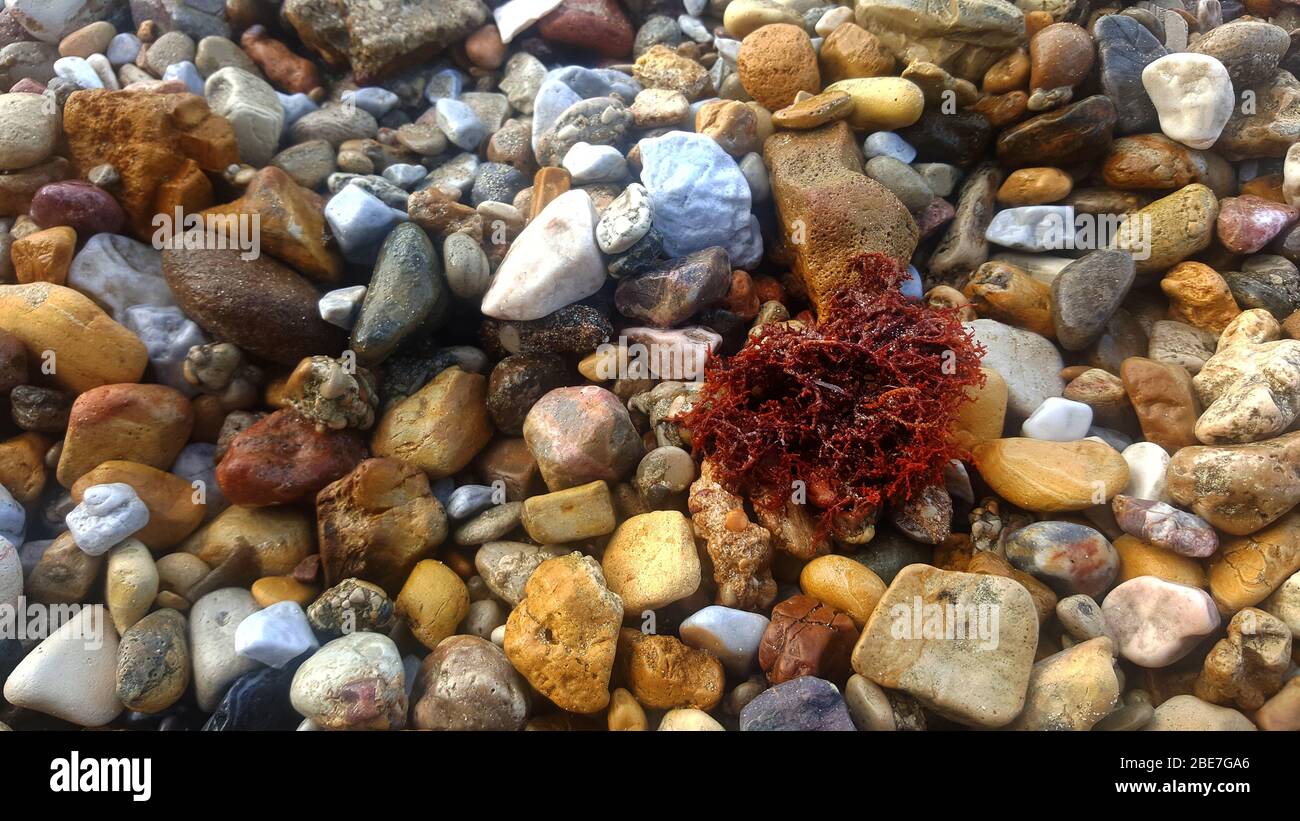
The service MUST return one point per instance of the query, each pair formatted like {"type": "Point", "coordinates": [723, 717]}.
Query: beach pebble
{"type": "Point", "coordinates": [1058, 420]}
{"type": "Point", "coordinates": [1193, 96]}
{"type": "Point", "coordinates": [71, 674]}
{"type": "Point", "coordinates": [1156, 622]}
{"type": "Point", "coordinates": [355, 682]}
{"type": "Point", "coordinates": [275, 635]}
{"type": "Point", "coordinates": [107, 515]}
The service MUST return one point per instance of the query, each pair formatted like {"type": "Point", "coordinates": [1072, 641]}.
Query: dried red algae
{"type": "Point", "coordinates": [857, 405]}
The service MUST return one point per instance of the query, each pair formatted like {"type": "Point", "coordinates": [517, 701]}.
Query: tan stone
{"type": "Point", "coordinates": [1170, 229]}
{"type": "Point", "coordinates": [62, 326]}
{"type": "Point", "coordinates": [1104, 392]}
{"type": "Point", "coordinates": [664, 674]}
{"type": "Point", "coordinates": [740, 550]}
{"type": "Point", "coordinates": [377, 522]}
{"type": "Point", "coordinates": [22, 466]}
{"type": "Point", "coordinates": [44, 256]}
{"type": "Point", "coordinates": [1199, 296]}
{"type": "Point", "coordinates": [882, 103]}
{"type": "Point", "coordinates": [1052, 476]}
{"type": "Point", "coordinates": [662, 67]}
{"type": "Point", "coordinates": [815, 111]}
{"type": "Point", "coordinates": [1164, 400]}
{"type": "Point", "coordinates": [1187, 712]}
{"type": "Point", "coordinates": [1072, 689]}
{"type": "Point", "coordinates": [563, 635]}
{"type": "Point", "coordinates": [625, 714]}
{"type": "Point", "coordinates": [175, 506]}
{"type": "Point", "coordinates": [730, 123]}
{"type": "Point", "coordinates": [270, 590]}
{"type": "Point", "coordinates": [651, 561]}
{"type": "Point", "coordinates": [844, 584]}
{"type": "Point", "coordinates": [145, 424]}
{"type": "Point", "coordinates": [1238, 488]}
{"type": "Point", "coordinates": [1034, 186]}
{"type": "Point", "coordinates": [131, 585]}
{"type": "Point", "coordinates": [433, 601]}
{"type": "Point", "coordinates": [851, 51]}
{"type": "Point", "coordinates": [999, 290]}
{"type": "Point", "coordinates": [1247, 667]}
{"type": "Point", "coordinates": [280, 537]}
{"type": "Point", "coordinates": [979, 680]}
{"type": "Point", "coordinates": [982, 418]}
{"type": "Point", "coordinates": [1282, 711]}
{"type": "Point", "coordinates": [65, 574]}
{"type": "Point", "coordinates": [439, 428]}
{"type": "Point", "coordinates": [569, 515]}
{"type": "Point", "coordinates": [830, 211]}
{"type": "Point", "coordinates": [1248, 568]}
{"type": "Point", "coordinates": [1138, 558]}
{"type": "Point", "coordinates": [742, 17]}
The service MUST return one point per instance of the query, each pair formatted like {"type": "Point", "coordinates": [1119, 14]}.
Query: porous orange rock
{"type": "Point", "coordinates": [22, 466]}
{"type": "Point", "coordinates": [44, 256]}
{"type": "Point", "coordinates": [775, 63]}
{"type": "Point", "coordinates": [1199, 296]}
{"type": "Point", "coordinates": [830, 211]}
{"type": "Point", "coordinates": [563, 635]}
{"type": "Point", "coordinates": [160, 144]}
{"type": "Point", "coordinates": [664, 674]}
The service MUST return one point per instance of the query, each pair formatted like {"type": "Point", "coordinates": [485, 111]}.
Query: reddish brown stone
{"type": "Point", "coordinates": [1247, 223]}
{"type": "Point", "coordinates": [599, 25]}
{"type": "Point", "coordinates": [286, 70]}
{"type": "Point", "coordinates": [283, 458]}
{"type": "Point", "coordinates": [807, 638]}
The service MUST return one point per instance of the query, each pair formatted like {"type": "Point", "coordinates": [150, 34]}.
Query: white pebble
{"type": "Point", "coordinates": [1147, 463]}
{"type": "Point", "coordinates": [187, 73]}
{"type": "Point", "coordinates": [123, 49]}
{"type": "Point", "coordinates": [1032, 227]}
{"type": "Point", "coordinates": [1193, 97]}
{"type": "Point", "coordinates": [77, 70]}
{"type": "Point", "coordinates": [888, 144]}
{"type": "Point", "coordinates": [1058, 420]}
{"type": "Point", "coordinates": [276, 635]}
{"type": "Point", "coordinates": [107, 514]}
{"type": "Point", "coordinates": [693, 28]}
{"type": "Point", "coordinates": [341, 306]}
{"type": "Point", "coordinates": [104, 70]}
{"type": "Point", "coordinates": [588, 163]}
{"type": "Point", "coordinates": [833, 19]}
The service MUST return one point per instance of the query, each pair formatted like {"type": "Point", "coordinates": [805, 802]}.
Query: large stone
{"type": "Point", "coordinates": [830, 211]}
{"type": "Point", "coordinates": [160, 145]}
{"type": "Point", "coordinates": [1156, 622]}
{"type": "Point", "coordinates": [1028, 363]}
{"type": "Point", "coordinates": [651, 561]}
{"type": "Point", "coordinates": [699, 197]}
{"type": "Point", "coordinates": [71, 674]}
{"type": "Point", "coordinates": [962, 644]}
{"type": "Point", "coordinates": [563, 635]}
{"type": "Point", "coordinates": [406, 293]}
{"type": "Point", "coordinates": [1124, 48]}
{"type": "Point", "coordinates": [1247, 569]}
{"type": "Point", "coordinates": [59, 325]}
{"type": "Point", "coordinates": [262, 306]}
{"type": "Point", "coordinates": [283, 458]}
{"type": "Point", "coordinates": [467, 683]}
{"type": "Point", "coordinates": [356, 682]}
{"type": "Point", "coordinates": [147, 424]}
{"type": "Point", "coordinates": [1052, 476]}
{"type": "Point", "coordinates": [377, 522]}
{"type": "Point", "coordinates": [578, 435]}
{"type": "Point", "coordinates": [963, 36]}
{"type": "Point", "coordinates": [214, 618]}
{"type": "Point", "coordinates": [552, 263]}
{"type": "Point", "coordinates": [1072, 689]}
{"type": "Point", "coordinates": [253, 110]}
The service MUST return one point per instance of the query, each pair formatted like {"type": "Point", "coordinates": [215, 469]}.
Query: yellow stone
{"type": "Point", "coordinates": [843, 584]}
{"type": "Point", "coordinates": [433, 601]}
{"type": "Point", "coordinates": [651, 561]}
{"type": "Point", "coordinates": [270, 590]}
{"type": "Point", "coordinates": [1139, 558]}
{"type": "Point", "coordinates": [280, 537]}
{"type": "Point", "coordinates": [1051, 477]}
{"type": "Point", "coordinates": [22, 466]}
{"type": "Point", "coordinates": [882, 103]}
{"type": "Point", "coordinates": [624, 712]}
{"type": "Point", "coordinates": [71, 336]}
{"type": "Point", "coordinates": [440, 427]}
{"type": "Point", "coordinates": [982, 418]}
{"type": "Point", "coordinates": [1249, 568]}
{"type": "Point", "coordinates": [569, 515]}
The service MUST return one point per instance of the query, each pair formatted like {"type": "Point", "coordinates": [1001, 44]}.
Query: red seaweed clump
{"type": "Point", "coordinates": [857, 405]}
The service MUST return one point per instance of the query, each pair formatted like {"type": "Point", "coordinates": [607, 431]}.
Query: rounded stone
{"type": "Point", "coordinates": [467, 683]}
